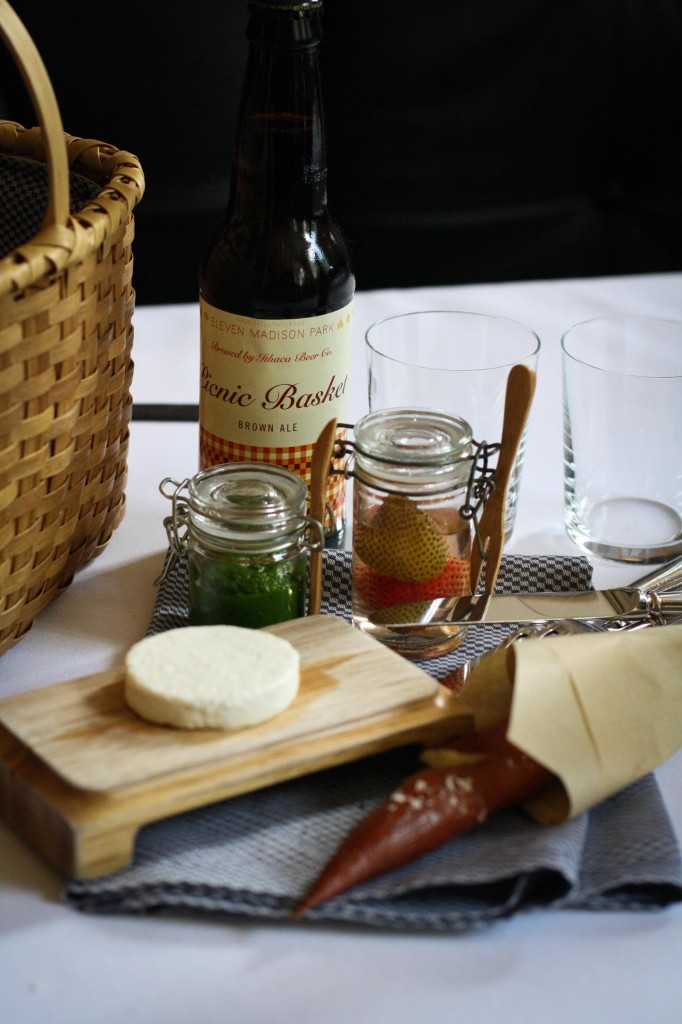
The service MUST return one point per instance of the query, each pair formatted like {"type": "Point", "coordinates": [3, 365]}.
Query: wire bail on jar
{"type": "Point", "coordinates": [480, 486]}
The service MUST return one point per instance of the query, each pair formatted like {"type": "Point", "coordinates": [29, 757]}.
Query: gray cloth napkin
{"type": "Point", "coordinates": [256, 855]}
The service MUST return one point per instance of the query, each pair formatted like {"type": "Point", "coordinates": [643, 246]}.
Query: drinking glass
{"type": "Point", "coordinates": [455, 362]}
{"type": "Point", "coordinates": [622, 404]}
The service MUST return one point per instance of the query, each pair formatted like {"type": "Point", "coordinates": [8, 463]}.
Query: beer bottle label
{"type": "Point", "coordinates": [268, 387]}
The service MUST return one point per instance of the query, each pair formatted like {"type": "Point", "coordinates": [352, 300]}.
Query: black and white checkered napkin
{"type": "Point", "coordinates": [256, 855]}
{"type": "Point", "coordinates": [518, 574]}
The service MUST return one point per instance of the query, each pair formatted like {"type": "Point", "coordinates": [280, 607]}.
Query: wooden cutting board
{"type": "Point", "coordinates": [80, 773]}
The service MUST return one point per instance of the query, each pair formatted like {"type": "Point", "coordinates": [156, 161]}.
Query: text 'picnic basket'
{"type": "Point", "coordinates": [66, 303]}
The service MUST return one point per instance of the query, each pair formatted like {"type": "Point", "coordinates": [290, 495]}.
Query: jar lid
{"type": "Point", "coordinates": [245, 497]}
{"type": "Point", "coordinates": [413, 449]}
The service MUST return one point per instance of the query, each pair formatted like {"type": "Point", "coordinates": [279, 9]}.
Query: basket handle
{"type": "Point", "coordinates": [36, 79]}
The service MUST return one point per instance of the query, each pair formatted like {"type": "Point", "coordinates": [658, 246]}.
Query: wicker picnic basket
{"type": "Point", "coordinates": [66, 303]}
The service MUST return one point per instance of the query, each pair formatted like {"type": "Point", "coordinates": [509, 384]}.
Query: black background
{"type": "Point", "coordinates": [469, 140]}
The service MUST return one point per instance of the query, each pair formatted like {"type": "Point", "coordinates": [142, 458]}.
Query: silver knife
{"type": "Point", "coordinates": [650, 595]}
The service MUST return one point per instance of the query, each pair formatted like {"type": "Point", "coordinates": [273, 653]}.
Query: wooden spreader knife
{"type": "Point", "coordinates": [518, 400]}
{"type": "Point", "coordinates": [319, 478]}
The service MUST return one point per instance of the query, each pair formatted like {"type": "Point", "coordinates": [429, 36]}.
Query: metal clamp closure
{"type": "Point", "coordinates": [480, 486]}
{"type": "Point", "coordinates": [176, 525]}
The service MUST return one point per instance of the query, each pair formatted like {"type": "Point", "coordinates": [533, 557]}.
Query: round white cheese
{"type": "Point", "coordinates": [201, 677]}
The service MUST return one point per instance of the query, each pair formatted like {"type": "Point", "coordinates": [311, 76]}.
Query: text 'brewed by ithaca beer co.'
{"type": "Point", "coordinates": [276, 289]}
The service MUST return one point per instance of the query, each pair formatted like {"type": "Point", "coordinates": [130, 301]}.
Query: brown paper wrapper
{"type": "Point", "coordinates": [599, 711]}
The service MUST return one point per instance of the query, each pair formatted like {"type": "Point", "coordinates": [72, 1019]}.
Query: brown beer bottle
{"type": "Point", "coordinates": [276, 288]}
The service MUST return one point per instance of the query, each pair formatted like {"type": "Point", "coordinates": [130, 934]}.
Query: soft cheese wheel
{"type": "Point", "coordinates": [201, 677]}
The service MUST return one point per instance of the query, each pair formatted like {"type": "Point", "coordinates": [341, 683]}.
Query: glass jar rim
{"type": "Point", "coordinates": [582, 343]}
{"type": "Point", "coordinates": [529, 353]}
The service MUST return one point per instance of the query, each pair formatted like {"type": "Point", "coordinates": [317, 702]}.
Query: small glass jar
{"type": "Point", "coordinates": [411, 469]}
{"type": "Point", "coordinates": [244, 529]}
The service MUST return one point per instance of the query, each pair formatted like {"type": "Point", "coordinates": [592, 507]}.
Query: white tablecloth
{"type": "Point", "coordinates": [59, 966]}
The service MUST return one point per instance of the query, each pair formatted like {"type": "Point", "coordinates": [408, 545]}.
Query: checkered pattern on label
{"type": "Point", "coordinates": [298, 459]}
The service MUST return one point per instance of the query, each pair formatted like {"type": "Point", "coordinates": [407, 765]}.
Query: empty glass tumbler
{"type": "Point", "coordinates": [622, 402]}
{"type": "Point", "coordinates": [456, 362]}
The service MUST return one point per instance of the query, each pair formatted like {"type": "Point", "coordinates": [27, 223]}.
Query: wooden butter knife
{"type": "Point", "coordinates": [518, 400]}
{"type": "Point", "coordinates": [319, 478]}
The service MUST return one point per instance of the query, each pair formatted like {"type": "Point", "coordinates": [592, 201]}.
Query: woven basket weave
{"type": "Point", "coordinates": [66, 303]}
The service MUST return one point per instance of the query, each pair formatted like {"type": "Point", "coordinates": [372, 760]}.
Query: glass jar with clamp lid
{"type": "Point", "coordinates": [412, 475]}
{"type": "Point", "coordinates": [246, 535]}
